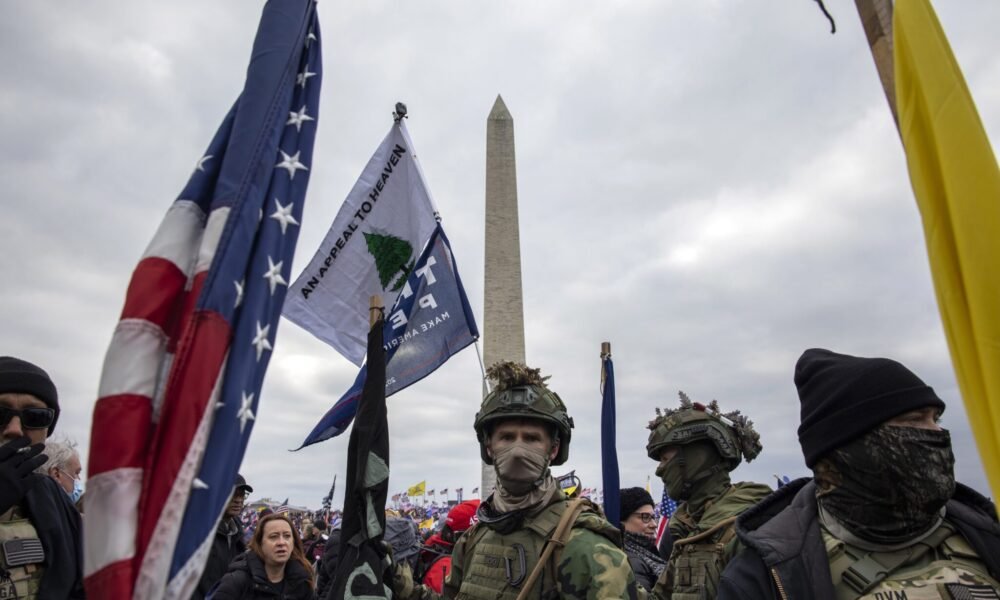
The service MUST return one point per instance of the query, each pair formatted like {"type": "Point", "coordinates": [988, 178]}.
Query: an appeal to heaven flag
{"type": "Point", "coordinates": [370, 249]}
{"type": "Point", "coordinates": [957, 185]}
{"type": "Point", "coordinates": [431, 321]}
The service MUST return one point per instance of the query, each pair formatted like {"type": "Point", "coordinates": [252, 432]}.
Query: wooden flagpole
{"type": "Point", "coordinates": [876, 18]}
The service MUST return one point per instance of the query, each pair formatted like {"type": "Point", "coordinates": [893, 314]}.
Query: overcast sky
{"type": "Point", "coordinates": [713, 187]}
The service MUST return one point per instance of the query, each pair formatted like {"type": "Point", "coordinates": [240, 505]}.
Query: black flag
{"type": "Point", "coordinates": [364, 569]}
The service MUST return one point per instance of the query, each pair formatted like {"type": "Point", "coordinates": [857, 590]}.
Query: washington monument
{"type": "Point", "coordinates": [503, 330]}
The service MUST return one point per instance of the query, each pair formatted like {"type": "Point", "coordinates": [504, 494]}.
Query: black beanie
{"type": "Point", "coordinates": [21, 377]}
{"type": "Point", "coordinates": [632, 499]}
{"type": "Point", "coordinates": [843, 397]}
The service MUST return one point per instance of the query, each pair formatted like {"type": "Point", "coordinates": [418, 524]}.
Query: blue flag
{"type": "Point", "coordinates": [431, 321]}
{"type": "Point", "coordinates": [609, 451]}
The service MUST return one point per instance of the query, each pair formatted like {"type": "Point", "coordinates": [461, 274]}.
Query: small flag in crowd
{"type": "Point", "coordinates": [609, 452]}
{"type": "Point", "coordinates": [432, 320]}
{"type": "Point", "coordinates": [364, 568]}
{"type": "Point", "coordinates": [475, 490]}
{"type": "Point", "coordinates": [182, 376]}
{"type": "Point", "coordinates": [444, 491]}
{"type": "Point", "coordinates": [371, 248]}
{"type": "Point", "coordinates": [418, 489]}
{"type": "Point", "coordinates": [282, 508]}
{"type": "Point", "coordinates": [667, 507]}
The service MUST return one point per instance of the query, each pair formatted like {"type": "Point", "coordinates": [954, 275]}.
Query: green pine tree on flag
{"type": "Point", "coordinates": [391, 255]}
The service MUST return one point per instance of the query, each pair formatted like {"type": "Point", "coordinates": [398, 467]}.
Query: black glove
{"type": "Point", "coordinates": [17, 463]}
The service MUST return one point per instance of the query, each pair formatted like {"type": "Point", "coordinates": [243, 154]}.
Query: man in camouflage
{"type": "Point", "coordinates": [882, 517]}
{"type": "Point", "coordinates": [523, 428]}
{"type": "Point", "coordinates": [697, 447]}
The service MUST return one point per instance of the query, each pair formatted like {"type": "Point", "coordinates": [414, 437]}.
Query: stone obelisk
{"type": "Point", "coordinates": [503, 330]}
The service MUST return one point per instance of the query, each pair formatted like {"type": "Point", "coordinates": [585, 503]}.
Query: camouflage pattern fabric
{"type": "Point", "coordinates": [489, 565]}
{"type": "Point", "coordinates": [952, 570]}
{"type": "Point", "coordinates": [22, 581]}
{"type": "Point", "coordinates": [694, 569]}
{"type": "Point", "coordinates": [890, 484]}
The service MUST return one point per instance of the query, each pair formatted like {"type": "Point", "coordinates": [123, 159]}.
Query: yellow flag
{"type": "Point", "coordinates": [957, 186]}
{"type": "Point", "coordinates": [417, 490]}
{"type": "Point", "coordinates": [426, 524]}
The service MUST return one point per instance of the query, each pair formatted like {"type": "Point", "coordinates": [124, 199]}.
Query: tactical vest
{"type": "Point", "coordinates": [941, 567]}
{"type": "Point", "coordinates": [697, 560]}
{"type": "Point", "coordinates": [496, 566]}
{"type": "Point", "coordinates": [21, 558]}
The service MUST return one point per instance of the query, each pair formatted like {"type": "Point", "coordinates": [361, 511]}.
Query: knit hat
{"type": "Point", "coordinates": [843, 397]}
{"type": "Point", "coordinates": [632, 499]}
{"type": "Point", "coordinates": [21, 377]}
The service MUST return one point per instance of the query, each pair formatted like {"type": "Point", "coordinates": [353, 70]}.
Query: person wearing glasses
{"type": "Point", "coordinates": [639, 535]}
{"type": "Point", "coordinates": [41, 547]}
{"type": "Point", "coordinates": [228, 542]}
{"type": "Point", "coordinates": [697, 446]}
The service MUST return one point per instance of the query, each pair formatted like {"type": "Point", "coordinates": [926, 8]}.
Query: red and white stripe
{"type": "Point", "coordinates": [161, 368]}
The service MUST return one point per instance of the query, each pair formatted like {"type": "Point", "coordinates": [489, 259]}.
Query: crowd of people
{"type": "Point", "coordinates": [881, 516]}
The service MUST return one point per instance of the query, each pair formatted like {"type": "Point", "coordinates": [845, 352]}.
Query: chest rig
{"type": "Point", "coordinates": [522, 563]}
{"type": "Point", "coordinates": [696, 562]}
{"type": "Point", "coordinates": [942, 566]}
{"type": "Point", "coordinates": [21, 557]}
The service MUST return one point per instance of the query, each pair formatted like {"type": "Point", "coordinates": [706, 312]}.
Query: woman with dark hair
{"type": "Point", "coordinates": [275, 566]}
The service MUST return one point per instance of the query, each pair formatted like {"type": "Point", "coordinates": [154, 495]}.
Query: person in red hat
{"type": "Point", "coordinates": [436, 553]}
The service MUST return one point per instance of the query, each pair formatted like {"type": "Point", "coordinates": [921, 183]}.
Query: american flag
{"type": "Point", "coordinates": [667, 507]}
{"type": "Point", "coordinates": [283, 508]}
{"type": "Point", "coordinates": [182, 376]}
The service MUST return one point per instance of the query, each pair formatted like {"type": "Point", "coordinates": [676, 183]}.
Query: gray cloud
{"type": "Point", "coordinates": [713, 187]}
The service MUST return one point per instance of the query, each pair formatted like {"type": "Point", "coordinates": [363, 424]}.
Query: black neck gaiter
{"type": "Point", "coordinates": [889, 485]}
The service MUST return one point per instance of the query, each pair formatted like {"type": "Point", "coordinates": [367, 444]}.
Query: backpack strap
{"type": "Point", "coordinates": [861, 573]}
{"type": "Point", "coordinates": [557, 541]}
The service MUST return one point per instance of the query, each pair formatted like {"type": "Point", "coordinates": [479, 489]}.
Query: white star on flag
{"type": "Point", "coordinates": [298, 118]}
{"type": "Point", "coordinates": [201, 163]}
{"type": "Point", "coordinates": [310, 38]}
{"type": "Point", "coordinates": [301, 78]}
{"type": "Point", "coordinates": [283, 215]}
{"type": "Point", "coordinates": [245, 414]}
{"type": "Point", "coordinates": [260, 340]}
{"type": "Point", "coordinates": [199, 484]}
{"type": "Point", "coordinates": [273, 274]}
{"type": "Point", "coordinates": [291, 163]}
{"type": "Point", "coordinates": [239, 293]}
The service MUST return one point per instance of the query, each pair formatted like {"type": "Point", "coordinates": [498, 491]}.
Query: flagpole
{"type": "Point", "coordinates": [876, 18]}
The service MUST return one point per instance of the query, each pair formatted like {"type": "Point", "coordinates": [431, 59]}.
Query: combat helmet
{"type": "Point", "coordinates": [519, 392]}
{"type": "Point", "coordinates": [732, 433]}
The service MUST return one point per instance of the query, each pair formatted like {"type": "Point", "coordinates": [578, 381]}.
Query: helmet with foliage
{"type": "Point", "coordinates": [732, 434]}
{"type": "Point", "coordinates": [520, 392]}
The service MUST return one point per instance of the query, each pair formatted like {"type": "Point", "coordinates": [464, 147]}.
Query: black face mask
{"type": "Point", "coordinates": [889, 485]}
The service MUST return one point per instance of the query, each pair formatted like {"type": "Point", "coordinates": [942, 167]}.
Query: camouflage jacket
{"type": "Point", "coordinates": [488, 564]}
{"type": "Point", "coordinates": [702, 548]}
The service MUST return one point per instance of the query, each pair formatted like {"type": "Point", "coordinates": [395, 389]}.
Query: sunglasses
{"type": "Point", "coordinates": [645, 517]}
{"type": "Point", "coordinates": [31, 418]}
